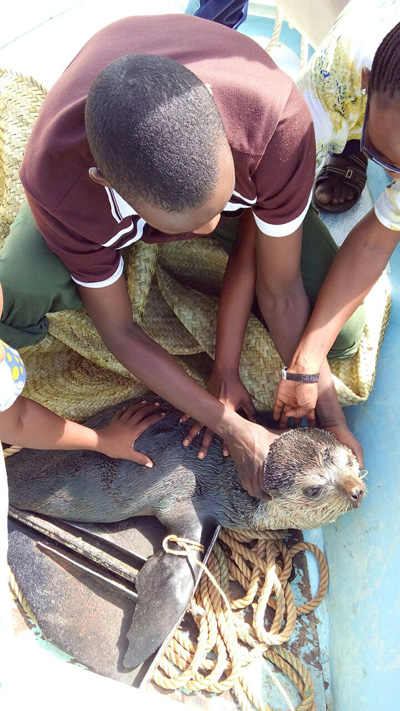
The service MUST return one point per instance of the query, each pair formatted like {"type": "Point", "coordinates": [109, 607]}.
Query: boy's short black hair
{"type": "Point", "coordinates": [154, 130]}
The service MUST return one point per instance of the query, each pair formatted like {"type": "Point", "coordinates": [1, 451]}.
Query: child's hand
{"type": "Point", "coordinates": [118, 438]}
{"type": "Point", "coordinates": [231, 392]}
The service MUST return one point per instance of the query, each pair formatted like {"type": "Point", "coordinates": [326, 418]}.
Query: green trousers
{"type": "Point", "coordinates": [35, 282]}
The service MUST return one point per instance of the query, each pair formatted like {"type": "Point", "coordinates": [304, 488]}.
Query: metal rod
{"type": "Point", "coordinates": [75, 543]}
{"type": "Point", "coordinates": [113, 583]}
{"type": "Point", "coordinates": [86, 529]}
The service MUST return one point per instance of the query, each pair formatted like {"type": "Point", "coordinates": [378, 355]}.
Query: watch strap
{"type": "Point", "coordinates": [300, 377]}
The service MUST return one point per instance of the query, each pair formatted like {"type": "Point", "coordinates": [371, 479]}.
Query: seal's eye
{"type": "Point", "coordinates": [312, 492]}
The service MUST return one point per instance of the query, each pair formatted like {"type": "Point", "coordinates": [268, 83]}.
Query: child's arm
{"type": "Point", "coordinates": [28, 424]}
{"type": "Point", "coordinates": [236, 299]}
{"type": "Point", "coordinates": [237, 295]}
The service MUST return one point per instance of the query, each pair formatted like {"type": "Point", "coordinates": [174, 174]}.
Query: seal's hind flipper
{"type": "Point", "coordinates": [164, 585]}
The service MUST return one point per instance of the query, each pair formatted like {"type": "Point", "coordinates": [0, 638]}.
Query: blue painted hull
{"type": "Point", "coordinates": [363, 549]}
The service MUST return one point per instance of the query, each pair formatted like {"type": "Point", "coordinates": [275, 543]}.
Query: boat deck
{"type": "Point", "coordinates": [358, 627]}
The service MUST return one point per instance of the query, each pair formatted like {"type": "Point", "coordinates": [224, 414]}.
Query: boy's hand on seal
{"type": "Point", "coordinates": [118, 438]}
{"type": "Point", "coordinates": [295, 399]}
{"type": "Point", "coordinates": [249, 449]}
{"type": "Point", "coordinates": [231, 392]}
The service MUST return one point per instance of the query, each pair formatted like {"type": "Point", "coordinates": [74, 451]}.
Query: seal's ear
{"type": "Point", "coordinates": [266, 496]}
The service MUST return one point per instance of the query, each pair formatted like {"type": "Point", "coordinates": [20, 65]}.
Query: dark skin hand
{"type": "Point", "coordinates": [234, 395]}
{"type": "Point", "coordinates": [252, 448]}
{"type": "Point", "coordinates": [28, 424]}
{"type": "Point", "coordinates": [111, 312]}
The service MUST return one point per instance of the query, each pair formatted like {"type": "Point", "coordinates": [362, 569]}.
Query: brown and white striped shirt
{"type": "Point", "coordinates": [267, 122]}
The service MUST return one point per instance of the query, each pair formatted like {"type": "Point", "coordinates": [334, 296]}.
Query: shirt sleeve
{"type": "Point", "coordinates": [91, 264]}
{"type": "Point", "coordinates": [387, 207]}
{"type": "Point", "coordinates": [285, 173]}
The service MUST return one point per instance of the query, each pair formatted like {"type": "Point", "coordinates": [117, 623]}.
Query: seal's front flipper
{"type": "Point", "coordinates": [164, 585]}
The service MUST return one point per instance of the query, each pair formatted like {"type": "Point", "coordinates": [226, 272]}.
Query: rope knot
{"type": "Point", "coordinates": [187, 546]}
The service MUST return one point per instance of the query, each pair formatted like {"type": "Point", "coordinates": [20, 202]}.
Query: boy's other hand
{"type": "Point", "coordinates": [295, 399]}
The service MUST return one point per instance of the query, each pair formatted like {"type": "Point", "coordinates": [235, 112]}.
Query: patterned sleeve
{"type": "Point", "coordinates": [331, 82]}
{"type": "Point", "coordinates": [331, 85]}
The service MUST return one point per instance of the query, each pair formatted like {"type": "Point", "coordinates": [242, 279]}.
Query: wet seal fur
{"type": "Point", "coordinates": [309, 480]}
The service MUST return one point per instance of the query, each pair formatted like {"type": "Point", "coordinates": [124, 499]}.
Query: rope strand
{"type": "Point", "coordinates": [261, 563]}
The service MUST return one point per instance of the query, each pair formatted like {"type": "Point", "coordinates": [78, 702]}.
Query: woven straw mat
{"type": "Point", "coordinates": [174, 292]}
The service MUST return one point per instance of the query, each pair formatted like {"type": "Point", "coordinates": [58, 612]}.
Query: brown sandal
{"type": "Point", "coordinates": [354, 175]}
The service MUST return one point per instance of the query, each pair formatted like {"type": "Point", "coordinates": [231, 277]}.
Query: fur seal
{"type": "Point", "coordinates": [309, 480]}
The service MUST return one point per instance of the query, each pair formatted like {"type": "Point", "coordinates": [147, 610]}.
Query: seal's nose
{"type": "Point", "coordinates": [356, 494]}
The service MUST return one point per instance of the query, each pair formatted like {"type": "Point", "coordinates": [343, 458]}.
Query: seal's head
{"type": "Point", "coordinates": [310, 479]}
